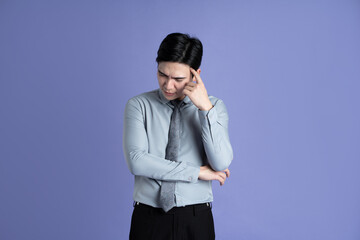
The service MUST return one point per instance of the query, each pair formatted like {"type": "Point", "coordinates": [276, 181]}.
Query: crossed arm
{"type": "Point", "coordinates": [143, 163]}
{"type": "Point", "coordinates": [214, 133]}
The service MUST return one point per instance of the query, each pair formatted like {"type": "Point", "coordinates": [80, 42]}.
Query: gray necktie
{"type": "Point", "coordinates": [167, 192]}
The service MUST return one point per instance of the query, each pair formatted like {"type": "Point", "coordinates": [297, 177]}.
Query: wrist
{"type": "Point", "coordinates": [207, 107]}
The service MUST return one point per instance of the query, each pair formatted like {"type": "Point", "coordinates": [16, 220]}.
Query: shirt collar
{"type": "Point", "coordinates": [163, 99]}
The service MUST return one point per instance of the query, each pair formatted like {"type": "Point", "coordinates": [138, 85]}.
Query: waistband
{"type": "Point", "coordinates": [188, 209]}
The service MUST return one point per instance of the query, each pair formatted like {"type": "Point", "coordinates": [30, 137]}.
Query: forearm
{"type": "Point", "coordinates": [144, 164]}
{"type": "Point", "coordinates": [215, 137]}
{"type": "Point", "coordinates": [138, 158]}
{"type": "Point", "coordinates": [218, 150]}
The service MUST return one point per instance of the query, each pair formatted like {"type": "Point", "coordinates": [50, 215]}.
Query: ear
{"type": "Point", "coordinates": [198, 71]}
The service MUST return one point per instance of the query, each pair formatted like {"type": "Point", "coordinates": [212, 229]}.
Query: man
{"type": "Point", "coordinates": [175, 143]}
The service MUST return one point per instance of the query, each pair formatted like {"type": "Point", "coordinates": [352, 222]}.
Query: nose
{"type": "Point", "coordinates": [169, 84]}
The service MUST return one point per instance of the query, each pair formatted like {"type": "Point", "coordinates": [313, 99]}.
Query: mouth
{"type": "Point", "coordinates": [168, 93]}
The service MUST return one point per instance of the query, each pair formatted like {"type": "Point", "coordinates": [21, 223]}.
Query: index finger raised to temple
{"type": "Point", "coordinates": [197, 75]}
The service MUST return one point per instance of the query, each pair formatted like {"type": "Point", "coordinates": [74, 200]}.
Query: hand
{"type": "Point", "coordinates": [206, 173]}
{"type": "Point", "coordinates": [197, 93]}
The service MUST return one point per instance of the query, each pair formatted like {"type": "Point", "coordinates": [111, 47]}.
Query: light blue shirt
{"type": "Point", "coordinates": [204, 139]}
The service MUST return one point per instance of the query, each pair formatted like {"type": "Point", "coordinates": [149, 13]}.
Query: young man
{"type": "Point", "coordinates": [175, 143]}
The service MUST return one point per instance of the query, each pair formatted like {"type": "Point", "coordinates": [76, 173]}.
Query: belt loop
{"type": "Point", "coordinates": [210, 204]}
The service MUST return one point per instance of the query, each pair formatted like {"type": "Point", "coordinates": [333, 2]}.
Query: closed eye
{"type": "Point", "coordinates": [162, 74]}
{"type": "Point", "coordinates": [179, 79]}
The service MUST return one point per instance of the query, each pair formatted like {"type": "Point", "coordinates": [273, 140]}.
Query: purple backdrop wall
{"type": "Point", "coordinates": [287, 70]}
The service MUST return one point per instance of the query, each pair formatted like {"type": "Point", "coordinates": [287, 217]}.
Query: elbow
{"type": "Point", "coordinates": [133, 162]}
{"type": "Point", "coordinates": [222, 163]}
{"type": "Point", "coordinates": [133, 169]}
{"type": "Point", "coordinates": [220, 166]}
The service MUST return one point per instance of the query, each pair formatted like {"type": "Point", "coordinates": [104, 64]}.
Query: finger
{"type": "Point", "coordinates": [227, 172]}
{"type": "Point", "coordinates": [192, 84]}
{"type": "Point", "coordinates": [196, 75]}
{"type": "Point", "coordinates": [186, 92]}
{"type": "Point", "coordinates": [221, 180]}
{"type": "Point", "coordinates": [190, 89]}
{"type": "Point", "coordinates": [218, 177]}
{"type": "Point", "coordinates": [222, 175]}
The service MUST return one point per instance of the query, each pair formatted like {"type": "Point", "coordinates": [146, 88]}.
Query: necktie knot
{"type": "Point", "coordinates": [176, 103]}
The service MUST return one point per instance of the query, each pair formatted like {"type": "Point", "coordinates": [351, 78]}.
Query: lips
{"type": "Point", "coordinates": [168, 93]}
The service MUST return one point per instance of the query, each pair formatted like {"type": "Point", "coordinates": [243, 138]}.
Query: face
{"type": "Point", "coordinates": [173, 77]}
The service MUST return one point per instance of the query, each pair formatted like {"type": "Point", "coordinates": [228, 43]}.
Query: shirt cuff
{"type": "Point", "coordinates": [192, 173]}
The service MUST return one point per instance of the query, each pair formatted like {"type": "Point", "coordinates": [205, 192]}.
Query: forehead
{"type": "Point", "coordinates": [174, 68]}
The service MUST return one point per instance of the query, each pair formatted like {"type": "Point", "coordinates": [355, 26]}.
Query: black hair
{"type": "Point", "coordinates": [181, 48]}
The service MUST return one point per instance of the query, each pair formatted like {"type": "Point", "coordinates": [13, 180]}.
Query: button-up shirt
{"type": "Point", "coordinates": [204, 140]}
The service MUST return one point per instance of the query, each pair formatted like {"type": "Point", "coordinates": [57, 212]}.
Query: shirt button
{"type": "Point", "coordinates": [190, 178]}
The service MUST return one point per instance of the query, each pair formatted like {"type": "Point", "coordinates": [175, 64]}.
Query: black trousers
{"type": "Point", "coordinates": [193, 222]}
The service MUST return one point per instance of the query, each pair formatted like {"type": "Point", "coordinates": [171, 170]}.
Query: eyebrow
{"type": "Point", "coordinates": [177, 78]}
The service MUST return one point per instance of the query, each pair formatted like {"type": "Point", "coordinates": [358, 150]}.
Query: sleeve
{"type": "Point", "coordinates": [140, 162]}
{"type": "Point", "coordinates": [215, 136]}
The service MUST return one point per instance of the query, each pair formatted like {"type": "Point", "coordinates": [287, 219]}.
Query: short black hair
{"type": "Point", "coordinates": [181, 48]}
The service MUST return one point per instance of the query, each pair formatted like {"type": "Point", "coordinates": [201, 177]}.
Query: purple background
{"type": "Point", "coordinates": [288, 71]}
